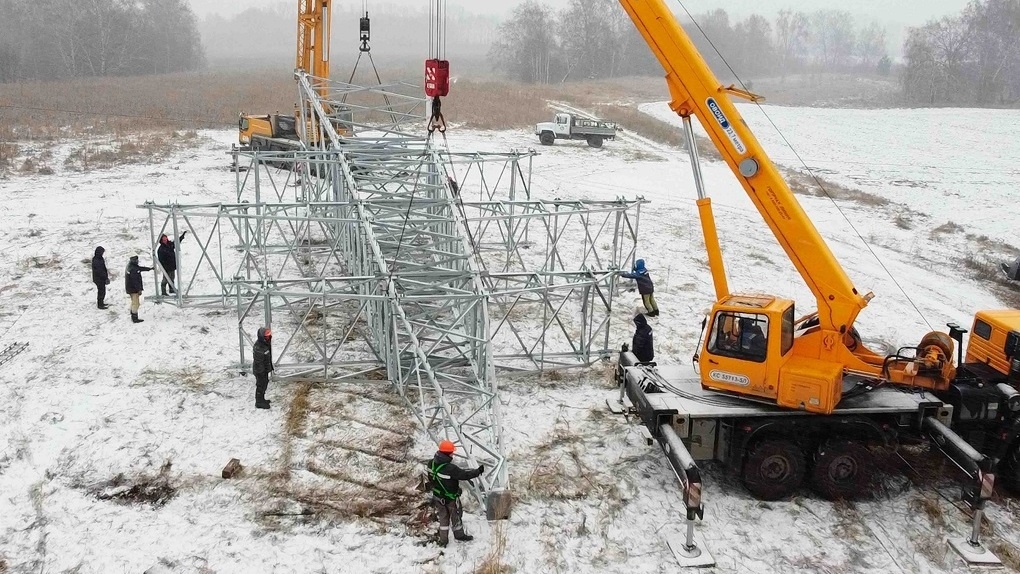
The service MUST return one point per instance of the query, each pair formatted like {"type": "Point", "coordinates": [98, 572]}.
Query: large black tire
{"type": "Point", "coordinates": [773, 469]}
{"type": "Point", "coordinates": [547, 138]}
{"type": "Point", "coordinates": [1009, 469]}
{"type": "Point", "coordinates": [841, 469]}
{"type": "Point", "coordinates": [595, 141]}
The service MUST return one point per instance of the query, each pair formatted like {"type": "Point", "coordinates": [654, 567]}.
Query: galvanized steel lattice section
{"type": "Point", "coordinates": [386, 257]}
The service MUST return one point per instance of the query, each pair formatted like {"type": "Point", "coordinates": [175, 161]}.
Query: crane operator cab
{"type": "Point", "coordinates": [748, 348]}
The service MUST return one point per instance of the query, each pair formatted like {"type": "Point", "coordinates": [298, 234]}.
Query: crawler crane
{"type": "Point", "coordinates": [806, 397]}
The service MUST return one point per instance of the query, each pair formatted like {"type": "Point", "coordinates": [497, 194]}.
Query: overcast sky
{"type": "Point", "coordinates": [909, 12]}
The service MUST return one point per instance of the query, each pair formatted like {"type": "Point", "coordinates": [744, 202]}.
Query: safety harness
{"type": "Point", "coordinates": [438, 488]}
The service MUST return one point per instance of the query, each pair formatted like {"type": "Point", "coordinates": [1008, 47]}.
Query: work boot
{"type": "Point", "coordinates": [262, 405]}
{"type": "Point", "coordinates": [463, 537]}
{"type": "Point", "coordinates": [444, 538]}
{"type": "Point", "coordinates": [102, 306]}
{"type": "Point", "coordinates": [135, 319]}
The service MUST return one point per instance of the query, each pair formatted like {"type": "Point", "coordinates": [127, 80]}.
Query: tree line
{"type": "Point", "coordinates": [593, 39]}
{"type": "Point", "coordinates": [59, 39]}
{"type": "Point", "coordinates": [972, 58]}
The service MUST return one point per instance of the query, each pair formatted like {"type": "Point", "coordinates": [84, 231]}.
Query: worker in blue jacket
{"type": "Point", "coordinates": [645, 286]}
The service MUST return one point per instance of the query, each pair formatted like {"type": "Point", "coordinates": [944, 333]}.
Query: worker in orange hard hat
{"type": "Point", "coordinates": [446, 477]}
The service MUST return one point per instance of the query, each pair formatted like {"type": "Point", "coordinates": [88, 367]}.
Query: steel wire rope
{"type": "Point", "coordinates": [809, 170]}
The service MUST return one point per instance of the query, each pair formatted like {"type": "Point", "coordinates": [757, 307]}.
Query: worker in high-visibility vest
{"type": "Point", "coordinates": [446, 477]}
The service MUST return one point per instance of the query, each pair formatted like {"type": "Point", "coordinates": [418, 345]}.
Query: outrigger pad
{"type": "Point", "coordinates": [974, 554]}
{"type": "Point", "coordinates": [497, 505]}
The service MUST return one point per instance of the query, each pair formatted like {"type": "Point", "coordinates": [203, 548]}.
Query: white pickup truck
{"type": "Point", "coordinates": [567, 126]}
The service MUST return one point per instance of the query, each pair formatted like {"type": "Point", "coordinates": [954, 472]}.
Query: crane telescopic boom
{"type": "Point", "coordinates": [754, 344]}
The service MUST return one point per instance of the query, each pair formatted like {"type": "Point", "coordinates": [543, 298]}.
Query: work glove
{"type": "Point", "coordinates": [481, 469]}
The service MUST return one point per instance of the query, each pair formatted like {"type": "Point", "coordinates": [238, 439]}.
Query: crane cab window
{"type": "Point", "coordinates": [561, 119]}
{"type": "Point", "coordinates": [982, 329]}
{"type": "Point", "coordinates": [788, 321]}
{"type": "Point", "coordinates": [740, 335]}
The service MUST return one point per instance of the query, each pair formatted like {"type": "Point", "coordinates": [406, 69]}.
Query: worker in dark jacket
{"type": "Point", "coordinates": [446, 477]}
{"type": "Point", "coordinates": [262, 365]}
{"type": "Point", "coordinates": [642, 343]}
{"type": "Point", "coordinates": [167, 255]}
{"type": "Point", "coordinates": [645, 287]}
{"type": "Point", "coordinates": [133, 285]}
{"type": "Point", "coordinates": [101, 277]}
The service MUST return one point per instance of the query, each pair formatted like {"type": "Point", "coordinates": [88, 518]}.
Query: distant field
{"type": "Point", "coordinates": [45, 110]}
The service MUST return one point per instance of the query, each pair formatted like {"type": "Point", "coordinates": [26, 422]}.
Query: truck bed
{"type": "Point", "coordinates": [685, 395]}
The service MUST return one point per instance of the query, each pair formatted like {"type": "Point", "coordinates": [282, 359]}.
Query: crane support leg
{"type": "Point", "coordinates": [686, 548]}
{"type": "Point", "coordinates": [978, 468]}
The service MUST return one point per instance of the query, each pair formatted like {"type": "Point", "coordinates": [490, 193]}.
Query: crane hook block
{"type": "Point", "coordinates": [437, 78]}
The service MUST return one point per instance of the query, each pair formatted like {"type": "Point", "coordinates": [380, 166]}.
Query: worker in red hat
{"type": "Point", "coordinates": [446, 477]}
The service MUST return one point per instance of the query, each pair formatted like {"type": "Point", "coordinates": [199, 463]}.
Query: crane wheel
{"type": "Point", "coordinates": [939, 339]}
{"type": "Point", "coordinates": [773, 469]}
{"type": "Point", "coordinates": [1009, 468]}
{"type": "Point", "coordinates": [841, 469]}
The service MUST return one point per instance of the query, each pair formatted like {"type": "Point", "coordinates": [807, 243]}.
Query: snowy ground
{"type": "Point", "coordinates": [97, 405]}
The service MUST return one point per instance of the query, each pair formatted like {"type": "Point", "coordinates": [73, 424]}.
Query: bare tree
{"type": "Point", "coordinates": [525, 48]}
{"type": "Point", "coordinates": [50, 39]}
{"type": "Point", "coordinates": [871, 46]}
{"type": "Point", "coordinates": [936, 62]}
{"type": "Point", "coordinates": [589, 43]}
{"type": "Point", "coordinates": [791, 33]}
{"type": "Point", "coordinates": [833, 38]}
{"type": "Point", "coordinates": [755, 53]}
{"type": "Point", "coordinates": [994, 29]}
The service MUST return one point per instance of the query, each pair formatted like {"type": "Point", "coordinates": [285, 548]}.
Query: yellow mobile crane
{"type": "Point", "coordinates": [800, 363]}
{"type": "Point", "coordinates": [278, 132]}
{"type": "Point", "coordinates": [783, 399]}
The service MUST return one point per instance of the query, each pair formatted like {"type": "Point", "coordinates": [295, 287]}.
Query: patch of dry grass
{"type": "Point", "coordinates": [141, 148]}
{"type": "Point", "coordinates": [931, 508]}
{"type": "Point", "coordinates": [807, 185]}
{"type": "Point", "coordinates": [127, 105]}
{"type": "Point", "coordinates": [144, 489]}
{"type": "Point", "coordinates": [40, 262]}
{"type": "Point", "coordinates": [8, 151]}
{"type": "Point", "coordinates": [1008, 553]}
{"type": "Point", "coordinates": [298, 411]}
{"type": "Point", "coordinates": [849, 525]}
{"type": "Point", "coordinates": [947, 227]}
{"type": "Point", "coordinates": [493, 561]}
{"type": "Point", "coordinates": [191, 378]}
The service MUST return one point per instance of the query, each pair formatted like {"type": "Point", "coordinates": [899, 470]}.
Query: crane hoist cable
{"type": "Point", "coordinates": [365, 36]}
{"type": "Point", "coordinates": [810, 171]}
{"type": "Point", "coordinates": [437, 68]}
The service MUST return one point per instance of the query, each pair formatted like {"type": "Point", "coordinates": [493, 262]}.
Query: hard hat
{"type": "Point", "coordinates": [446, 447]}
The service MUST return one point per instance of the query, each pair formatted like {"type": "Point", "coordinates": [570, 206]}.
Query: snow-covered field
{"type": "Point", "coordinates": [951, 165]}
{"type": "Point", "coordinates": [97, 405]}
